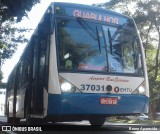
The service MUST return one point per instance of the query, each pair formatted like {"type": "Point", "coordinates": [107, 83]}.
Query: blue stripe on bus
{"type": "Point", "coordinates": [90, 104]}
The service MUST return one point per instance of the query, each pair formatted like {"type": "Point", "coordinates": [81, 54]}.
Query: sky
{"type": "Point", "coordinates": [34, 16]}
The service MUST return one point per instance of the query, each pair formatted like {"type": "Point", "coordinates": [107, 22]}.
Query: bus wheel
{"type": "Point", "coordinates": [9, 119]}
{"type": "Point", "coordinates": [13, 120]}
{"type": "Point", "coordinates": [16, 120]}
{"type": "Point", "coordinates": [97, 122]}
{"type": "Point", "coordinates": [30, 121]}
{"type": "Point", "coordinates": [34, 121]}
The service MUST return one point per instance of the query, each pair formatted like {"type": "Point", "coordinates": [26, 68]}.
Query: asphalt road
{"type": "Point", "coordinates": [84, 127]}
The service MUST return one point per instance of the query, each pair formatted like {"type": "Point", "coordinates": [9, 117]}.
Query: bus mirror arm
{"type": "Point", "coordinates": [51, 19]}
{"type": "Point", "coordinates": [139, 61]}
{"type": "Point", "coordinates": [98, 38]}
{"type": "Point", "coordinates": [110, 40]}
{"type": "Point", "coordinates": [51, 23]}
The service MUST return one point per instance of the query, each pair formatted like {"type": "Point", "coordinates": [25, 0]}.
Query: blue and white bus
{"type": "Point", "coordinates": [81, 63]}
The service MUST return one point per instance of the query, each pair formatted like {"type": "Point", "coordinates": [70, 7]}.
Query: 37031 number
{"type": "Point", "coordinates": [87, 87]}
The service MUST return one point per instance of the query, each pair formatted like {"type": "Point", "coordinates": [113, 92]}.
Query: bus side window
{"type": "Point", "coordinates": [20, 75]}
{"type": "Point", "coordinates": [23, 73]}
{"type": "Point", "coordinates": [43, 39]}
{"type": "Point", "coordinates": [42, 59]}
{"type": "Point", "coordinates": [34, 56]}
{"type": "Point", "coordinates": [26, 68]}
{"type": "Point", "coordinates": [40, 68]}
{"type": "Point", "coordinates": [11, 83]}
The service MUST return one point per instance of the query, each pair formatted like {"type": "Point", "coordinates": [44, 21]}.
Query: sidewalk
{"type": "Point", "coordinates": [3, 118]}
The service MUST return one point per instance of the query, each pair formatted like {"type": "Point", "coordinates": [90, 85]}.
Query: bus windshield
{"type": "Point", "coordinates": [93, 47]}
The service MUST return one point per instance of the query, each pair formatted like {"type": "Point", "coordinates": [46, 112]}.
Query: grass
{"type": "Point", "coordinates": [151, 122]}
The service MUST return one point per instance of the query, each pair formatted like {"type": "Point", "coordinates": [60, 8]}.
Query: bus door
{"type": "Point", "coordinates": [40, 67]}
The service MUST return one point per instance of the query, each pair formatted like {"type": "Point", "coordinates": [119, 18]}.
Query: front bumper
{"type": "Point", "coordinates": [89, 104]}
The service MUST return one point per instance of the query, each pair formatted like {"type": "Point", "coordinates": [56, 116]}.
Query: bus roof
{"type": "Point", "coordinates": [90, 12]}
{"type": "Point", "coordinates": [89, 7]}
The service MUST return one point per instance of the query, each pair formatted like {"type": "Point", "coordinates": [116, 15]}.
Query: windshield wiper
{"type": "Point", "coordinates": [98, 39]}
{"type": "Point", "coordinates": [110, 40]}
{"type": "Point", "coordinates": [86, 28]}
{"type": "Point", "coordinates": [90, 31]}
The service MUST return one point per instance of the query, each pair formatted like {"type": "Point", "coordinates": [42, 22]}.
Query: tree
{"type": "Point", "coordinates": [10, 37]}
{"type": "Point", "coordinates": [154, 84]}
{"type": "Point", "coordinates": [147, 17]}
{"type": "Point", "coordinates": [12, 11]}
{"type": "Point", "coordinates": [9, 40]}
{"type": "Point", "coordinates": [15, 8]}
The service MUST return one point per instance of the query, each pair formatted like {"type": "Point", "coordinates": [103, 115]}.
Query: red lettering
{"type": "Point", "coordinates": [96, 78]}
{"type": "Point", "coordinates": [120, 80]}
{"type": "Point", "coordinates": [77, 13]}
{"type": "Point", "coordinates": [115, 20]}
{"type": "Point", "coordinates": [107, 18]}
{"type": "Point", "coordinates": [93, 16]}
{"type": "Point", "coordinates": [100, 17]}
{"type": "Point", "coordinates": [88, 15]}
{"type": "Point", "coordinates": [109, 79]}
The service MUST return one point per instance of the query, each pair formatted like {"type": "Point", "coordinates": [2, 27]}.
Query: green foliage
{"type": "Point", "coordinates": [154, 83]}
{"type": "Point", "coordinates": [15, 8]}
{"type": "Point", "coordinates": [9, 39]}
{"type": "Point", "coordinates": [10, 36]}
{"type": "Point", "coordinates": [147, 17]}
{"type": "Point", "coordinates": [2, 85]}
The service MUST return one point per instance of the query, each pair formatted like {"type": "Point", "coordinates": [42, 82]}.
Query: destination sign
{"type": "Point", "coordinates": [95, 16]}
{"type": "Point", "coordinates": [105, 16]}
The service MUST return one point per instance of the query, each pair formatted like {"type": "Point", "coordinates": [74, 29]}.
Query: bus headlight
{"type": "Point", "coordinates": [140, 89]}
{"type": "Point", "coordinates": [66, 87]}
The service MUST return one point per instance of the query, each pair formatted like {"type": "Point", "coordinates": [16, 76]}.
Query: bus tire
{"type": "Point", "coordinates": [34, 121]}
{"type": "Point", "coordinates": [30, 121]}
{"type": "Point", "coordinates": [16, 120]}
{"type": "Point", "coordinates": [9, 119]}
{"type": "Point", "coordinates": [97, 122]}
{"type": "Point", "coordinates": [12, 119]}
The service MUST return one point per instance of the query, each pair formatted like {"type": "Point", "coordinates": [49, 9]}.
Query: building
{"type": "Point", "coordinates": [2, 101]}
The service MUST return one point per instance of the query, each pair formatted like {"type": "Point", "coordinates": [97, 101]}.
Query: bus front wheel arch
{"type": "Point", "coordinates": [34, 121]}
{"type": "Point", "coordinates": [97, 122]}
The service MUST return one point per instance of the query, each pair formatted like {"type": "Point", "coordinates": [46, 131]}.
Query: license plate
{"type": "Point", "coordinates": [109, 101]}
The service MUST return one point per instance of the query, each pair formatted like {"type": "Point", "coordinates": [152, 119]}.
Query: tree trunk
{"type": "Point", "coordinates": [152, 111]}
{"type": "Point", "coordinates": [157, 54]}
